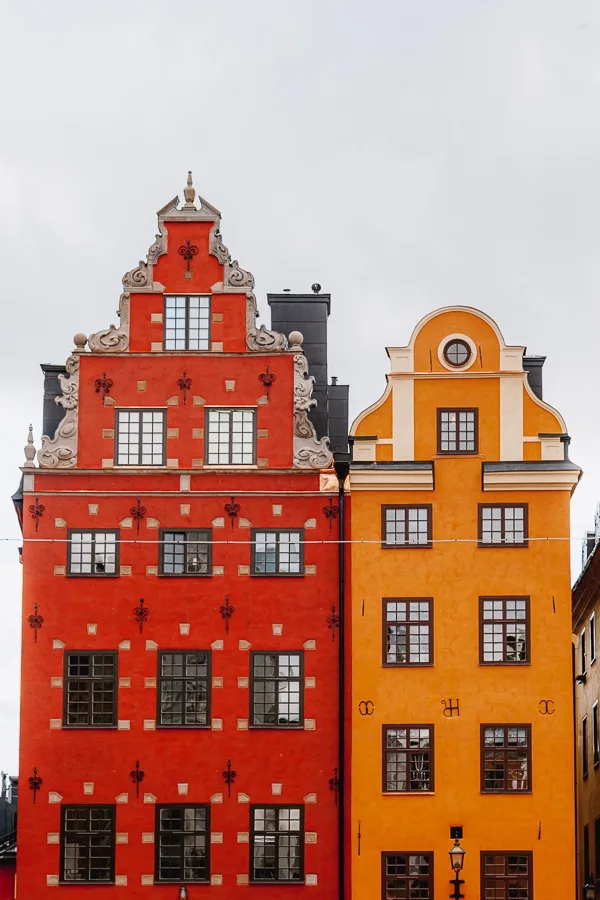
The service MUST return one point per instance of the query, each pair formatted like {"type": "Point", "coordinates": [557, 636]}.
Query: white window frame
{"type": "Point", "coordinates": [181, 318]}
{"type": "Point", "coordinates": [583, 656]}
{"type": "Point", "coordinates": [123, 428]}
{"type": "Point", "coordinates": [213, 449]}
{"type": "Point", "coordinates": [593, 640]}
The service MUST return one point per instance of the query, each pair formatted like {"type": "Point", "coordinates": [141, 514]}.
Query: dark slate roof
{"type": "Point", "coordinates": [544, 465]}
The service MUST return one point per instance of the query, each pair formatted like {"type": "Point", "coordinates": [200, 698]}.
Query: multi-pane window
{"type": "Point", "coordinates": [277, 552]}
{"type": "Point", "coordinates": [457, 431]}
{"type": "Point", "coordinates": [406, 526]}
{"type": "Point", "coordinates": [408, 632]}
{"type": "Point", "coordinates": [87, 852]}
{"type": "Point", "coordinates": [276, 843]}
{"type": "Point", "coordinates": [595, 736]}
{"type": "Point", "coordinates": [92, 552]}
{"type": "Point", "coordinates": [504, 629]}
{"type": "Point", "coordinates": [182, 843]}
{"type": "Point", "coordinates": [276, 689]}
{"type": "Point", "coordinates": [505, 759]}
{"type": "Point", "coordinates": [187, 323]}
{"type": "Point", "coordinates": [90, 689]}
{"type": "Point", "coordinates": [140, 437]}
{"type": "Point", "coordinates": [230, 437]}
{"type": "Point", "coordinates": [184, 688]}
{"type": "Point", "coordinates": [583, 651]}
{"type": "Point", "coordinates": [502, 526]}
{"type": "Point", "coordinates": [407, 758]}
{"type": "Point", "coordinates": [505, 876]}
{"type": "Point", "coordinates": [185, 552]}
{"type": "Point", "coordinates": [406, 876]}
{"type": "Point", "coordinates": [593, 637]}
{"type": "Point", "coordinates": [584, 747]}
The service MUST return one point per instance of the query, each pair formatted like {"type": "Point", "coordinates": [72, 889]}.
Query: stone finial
{"type": "Point", "coordinates": [80, 340]}
{"type": "Point", "coordinates": [29, 450]}
{"type": "Point", "coordinates": [189, 193]}
{"type": "Point", "coordinates": [296, 338]}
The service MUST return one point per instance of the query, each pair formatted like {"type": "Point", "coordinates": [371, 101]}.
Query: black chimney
{"type": "Point", "coordinates": [533, 366]}
{"type": "Point", "coordinates": [307, 313]}
{"type": "Point", "coordinates": [52, 413]}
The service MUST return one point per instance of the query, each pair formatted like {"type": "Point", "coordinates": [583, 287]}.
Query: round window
{"type": "Point", "coordinates": [457, 353]}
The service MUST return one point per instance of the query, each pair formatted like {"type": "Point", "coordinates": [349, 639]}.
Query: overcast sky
{"type": "Point", "coordinates": [407, 155]}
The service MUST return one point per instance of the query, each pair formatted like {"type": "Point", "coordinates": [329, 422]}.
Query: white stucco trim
{"type": "Point", "coordinates": [389, 480]}
{"type": "Point", "coordinates": [511, 418]}
{"type": "Point", "coordinates": [546, 406]}
{"type": "Point", "coordinates": [457, 337]}
{"type": "Point", "coordinates": [531, 481]}
{"type": "Point", "coordinates": [403, 422]}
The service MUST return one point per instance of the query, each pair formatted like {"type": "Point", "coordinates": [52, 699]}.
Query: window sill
{"type": "Point", "coordinates": [185, 574]}
{"type": "Point", "coordinates": [419, 665]}
{"type": "Point", "coordinates": [509, 545]}
{"type": "Point", "coordinates": [89, 728]}
{"type": "Point", "coordinates": [506, 793]}
{"type": "Point", "coordinates": [92, 575]}
{"type": "Point", "coordinates": [516, 664]}
{"type": "Point", "coordinates": [408, 793]}
{"type": "Point", "coordinates": [428, 546]}
{"type": "Point", "coordinates": [277, 883]}
{"type": "Point", "coordinates": [183, 727]}
{"type": "Point", "coordinates": [276, 728]}
{"type": "Point", "coordinates": [277, 574]}
{"type": "Point", "coordinates": [89, 883]}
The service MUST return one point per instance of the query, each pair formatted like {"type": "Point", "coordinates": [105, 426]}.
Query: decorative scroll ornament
{"type": "Point", "coordinates": [217, 247]}
{"type": "Point", "coordinates": [115, 338]}
{"type": "Point", "coordinates": [238, 278]}
{"type": "Point", "coordinates": [309, 451]}
{"type": "Point", "coordinates": [60, 452]}
{"type": "Point", "coordinates": [263, 339]}
{"type": "Point", "coordinates": [139, 277]}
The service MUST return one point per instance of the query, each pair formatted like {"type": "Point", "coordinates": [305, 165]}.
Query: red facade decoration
{"type": "Point", "coordinates": [138, 487]}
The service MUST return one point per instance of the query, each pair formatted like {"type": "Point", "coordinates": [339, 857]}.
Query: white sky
{"type": "Point", "coordinates": [405, 155]}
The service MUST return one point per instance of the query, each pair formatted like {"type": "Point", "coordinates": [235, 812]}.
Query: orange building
{"type": "Point", "coordinates": [462, 710]}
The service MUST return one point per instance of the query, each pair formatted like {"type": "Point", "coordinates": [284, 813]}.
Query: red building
{"type": "Point", "coordinates": [180, 709]}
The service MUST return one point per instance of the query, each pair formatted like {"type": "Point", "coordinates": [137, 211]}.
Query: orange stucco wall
{"type": "Point", "coordinates": [455, 575]}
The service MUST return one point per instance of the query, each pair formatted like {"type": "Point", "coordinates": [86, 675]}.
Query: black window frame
{"type": "Point", "coordinates": [181, 879]}
{"type": "Point", "coordinates": [446, 352]}
{"type": "Point", "coordinates": [583, 651]}
{"type": "Point", "coordinates": [279, 834]}
{"type": "Point", "coordinates": [277, 532]}
{"type": "Point", "coordinates": [230, 409]}
{"type": "Point", "coordinates": [503, 752]}
{"type": "Point", "coordinates": [141, 410]}
{"type": "Point", "coordinates": [279, 726]}
{"type": "Point", "coordinates": [505, 622]}
{"type": "Point", "coordinates": [411, 625]}
{"type": "Point", "coordinates": [207, 540]}
{"type": "Point", "coordinates": [162, 679]}
{"type": "Point", "coordinates": [503, 542]}
{"type": "Point", "coordinates": [93, 532]}
{"type": "Point", "coordinates": [506, 878]}
{"type": "Point", "coordinates": [471, 451]}
{"type": "Point", "coordinates": [426, 880]}
{"type": "Point", "coordinates": [592, 629]}
{"type": "Point", "coordinates": [63, 842]}
{"type": "Point", "coordinates": [68, 679]}
{"type": "Point", "coordinates": [422, 545]}
{"type": "Point", "coordinates": [187, 347]}
{"type": "Point", "coordinates": [410, 753]}
{"type": "Point", "coordinates": [595, 736]}
{"type": "Point", "coordinates": [584, 748]}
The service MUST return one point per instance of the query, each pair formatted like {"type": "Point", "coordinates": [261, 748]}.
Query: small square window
{"type": "Point", "coordinates": [93, 552]}
{"type": "Point", "coordinates": [504, 630]}
{"type": "Point", "coordinates": [505, 759]}
{"type": "Point", "coordinates": [276, 552]}
{"type": "Point", "coordinates": [503, 525]}
{"type": "Point", "coordinates": [408, 632]}
{"type": "Point", "coordinates": [186, 552]}
{"type": "Point", "coordinates": [140, 437]}
{"type": "Point", "coordinates": [407, 758]}
{"type": "Point", "coordinates": [187, 323]}
{"type": "Point", "coordinates": [406, 875]}
{"type": "Point", "coordinates": [406, 526]}
{"type": "Point", "coordinates": [507, 875]}
{"type": "Point", "coordinates": [230, 437]}
{"type": "Point", "coordinates": [458, 431]}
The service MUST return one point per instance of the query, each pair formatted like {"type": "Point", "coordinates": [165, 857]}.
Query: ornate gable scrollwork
{"type": "Point", "coordinates": [216, 247]}
{"type": "Point", "coordinates": [115, 338]}
{"type": "Point", "coordinates": [309, 451]}
{"type": "Point", "coordinates": [60, 452]}
{"type": "Point", "coordinates": [265, 340]}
